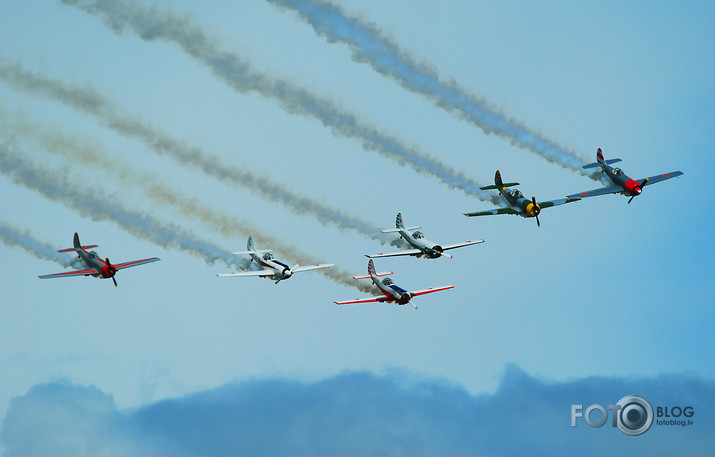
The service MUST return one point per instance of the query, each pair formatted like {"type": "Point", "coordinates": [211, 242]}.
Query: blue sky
{"type": "Point", "coordinates": [602, 290]}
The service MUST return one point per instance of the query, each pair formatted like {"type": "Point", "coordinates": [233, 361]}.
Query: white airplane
{"type": "Point", "coordinates": [422, 246]}
{"type": "Point", "coordinates": [391, 292]}
{"type": "Point", "coordinates": [272, 268]}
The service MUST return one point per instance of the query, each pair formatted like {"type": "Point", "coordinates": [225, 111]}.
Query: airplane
{"type": "Point", "coordinates": [518, 204]}
{"type": "Point", "coordinates": [272, 268]}
{"type": "Point", "coordinates": [622, 183]}
{"type": "Point", "coordinates": [422, 246]}
{"type": "Point", "coordinates": [392, 293]}
{"type": "Point", "coordinates": [97, 267]}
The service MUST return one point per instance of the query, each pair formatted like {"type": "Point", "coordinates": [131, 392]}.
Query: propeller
{"type": "Point", "coordinates": [640, 189]}
{"type": "Point", "coordinates": [536, 210]}
{"type": "Point", "coordinates": [112, 270]}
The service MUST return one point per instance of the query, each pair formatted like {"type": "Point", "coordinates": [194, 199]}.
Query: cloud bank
{"type": "Point", "coordinates": [356, 414]}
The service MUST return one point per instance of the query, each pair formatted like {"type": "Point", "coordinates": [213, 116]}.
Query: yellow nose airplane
{"type": "Point", "coordinates": [518, 204]}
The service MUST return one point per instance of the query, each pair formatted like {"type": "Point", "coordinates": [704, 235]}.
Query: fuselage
{"type": "Point", "coordinates": [516, 199]}
{"type": "Point", "coordinates": [417, 240]}
{"type": "Point", "coordinates": [618, 177]}
{"type": "Point", "coordinates": [92, 260]}
{"type": "Point", "coordinates": [282, 271]}
{"type": "Point", "coordinates": [393, 292]}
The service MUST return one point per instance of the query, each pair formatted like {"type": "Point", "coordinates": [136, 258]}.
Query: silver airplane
{"type": "Point", "coordinates": [422, 246]}
{"type": "Point", "coordinates": [272, 268]}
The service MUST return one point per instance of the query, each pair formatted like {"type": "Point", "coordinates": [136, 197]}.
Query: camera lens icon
{"type": "Point", "coordinates": [635, 415]}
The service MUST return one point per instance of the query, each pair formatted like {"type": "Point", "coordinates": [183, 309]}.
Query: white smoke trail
{"type": "Point", "coordinates": [90, 101]}
{"type": "Point", "coordinates": [23, 239]}
{"type": "Point", "coordinates": [98, 207]}
{"type": "Point", "coordinates": [370, 45]}
{"type": "Point", "coordinates": [152, 24]}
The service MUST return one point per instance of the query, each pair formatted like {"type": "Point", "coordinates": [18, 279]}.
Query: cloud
{"type": "Point", "coordinates": [358, 413]}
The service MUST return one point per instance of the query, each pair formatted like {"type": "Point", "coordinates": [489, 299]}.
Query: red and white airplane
{"type": "Point", "coordinates": [97, 267]}
{"type": "Point", "coordinates": [622, 183]}
{"type": "Point", "coordinates": [272, 268]}
{"type": "Point", "coordinates": [392, 293]}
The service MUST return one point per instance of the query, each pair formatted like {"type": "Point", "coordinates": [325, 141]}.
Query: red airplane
{"type": "Point", "coordinates": [97, 267]}
{"type": "Point", "coordinates": [392, 292]}
{"type": "Point", "coordinates": [621, 182]}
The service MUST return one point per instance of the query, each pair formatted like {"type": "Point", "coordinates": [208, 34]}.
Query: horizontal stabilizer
{"type": "Point", "coordinates": [259, 251]}
{"type": "Point", "coordinates": [376, 274]}
{"type": "Point", "coordinates": [494, 186]}
{"type": "Point", "coordinates": [395, 230]}
{"type": "Point", "coordinates": [77, 249]}
{"type": "Point", "coordinates": [596, 164]}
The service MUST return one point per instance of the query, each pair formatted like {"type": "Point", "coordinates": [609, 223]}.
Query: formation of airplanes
{"type": "Point", "coordinates": [271, 268]}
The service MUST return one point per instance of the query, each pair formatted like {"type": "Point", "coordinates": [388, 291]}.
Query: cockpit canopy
{"type": "Point", "coordinates": [267, 256]}
{"type": "Point", "coordinates": [617, 171]}
{"type": "Point", "coordinates": [417, 235]}
{"type": "Point", "coordinates": [92, 255]}
{"type": "Point", "coordinates": [387, 282]}
{"type": "Point", "coordinates": [516, 193]}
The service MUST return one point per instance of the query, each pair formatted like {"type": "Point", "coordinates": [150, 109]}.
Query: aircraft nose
{"type": "Point", "coordinates": [637, 191]}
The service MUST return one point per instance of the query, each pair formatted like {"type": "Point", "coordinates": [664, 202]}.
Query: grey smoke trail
{"type": "Point", "coordinates": [92, 204]}
{"type": "Point", "coordinates": [152, 24]}
{"type": "Point", "coordinates": [22, 239]}
{"type": "Point", "coordinates": [100, 207]}
{"type": "Point", "coordinates": [90, 101]}
{"type": "Point", "coordinates": [370, 45]}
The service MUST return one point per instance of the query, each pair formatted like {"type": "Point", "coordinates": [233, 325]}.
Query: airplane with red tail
{"type": "Point", "coordinates": [97, 267]}
{"type": "Point", "coordinates": [518, 204]}
{"type": "Point", "coordinates": [391, 292]}
{"type": "Point", "coordinates": [621, 182]}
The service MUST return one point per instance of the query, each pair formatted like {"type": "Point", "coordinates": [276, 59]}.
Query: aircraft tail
{"type": "Point", "coordinates": [249, 245]}
{"type": "Point", "coordinates": [77, 245]}
{"type": "Point", "coordinates": [600, 161]}
{"type": "Point", "coordinates": [372, 273]}
{"type": "Point", "coordinates": [498, 183]}
{"type": "Point", "coordinates": [399, 225]}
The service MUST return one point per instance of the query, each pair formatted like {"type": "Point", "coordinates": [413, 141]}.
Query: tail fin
{"type": "Point", "coordinates": [371, 272]}
{"type": "Point", "coordinates": [249, 245]}
{"type": "Point", "coordinates": [399, 225]}
{"type": "Point", "coordinates": [600, 160]}
{"type": "Point", "coordinates": [498, 183]}
{"type": "Point", "coordinates": [77, 245]}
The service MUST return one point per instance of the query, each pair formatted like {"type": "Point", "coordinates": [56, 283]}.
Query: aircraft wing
{"type": "Point", "coordinates": [561, 201]}
{"type": "Point", "coordinates": [663, 177]}
{"type": "Point", "coordinates": [264, 272]}
{"type": "Point", "coordinates": [135, 263]}
{"type": "Point", "coordinates": [67, 274]}
{"type": "Point", "coordinates": [362, 300]}
{"type": "Point", "coordinates": [312, 267]}
{"type": "Point", "coordinates": [491, 212]}
{"type": "Point", "coordinates": [395, 254]}
{"type": "Point", "coordinates": [446, 247]}
{"type": "Point", "coordinates": [595, 192]}
{"type": "Point", "coordinates": [430, 290]}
